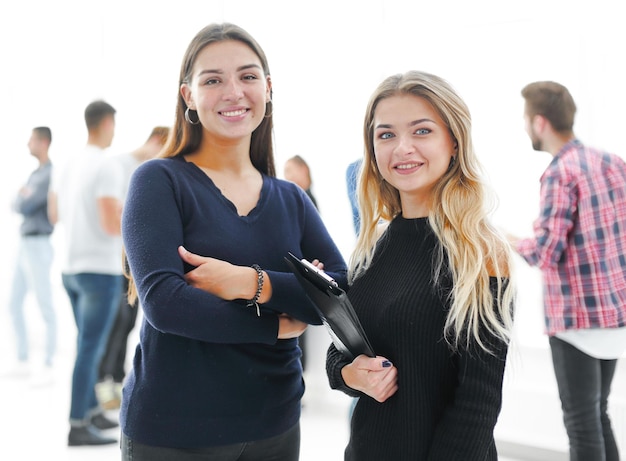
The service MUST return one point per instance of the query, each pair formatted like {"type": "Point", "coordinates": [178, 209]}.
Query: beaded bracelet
{"type": "Point", "coordinates": [255, 301]}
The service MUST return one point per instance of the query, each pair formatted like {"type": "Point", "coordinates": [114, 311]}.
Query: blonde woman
{"type": "Point", "coordinates": [432, 288]}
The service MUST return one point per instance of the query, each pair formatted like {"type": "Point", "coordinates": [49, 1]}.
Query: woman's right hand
{"type": "Point", "coordinates": [223, 279]}
{"type": "Point", "coordinates": [288, 327]}
{"type": "Point", "coordinates": [376, 377]}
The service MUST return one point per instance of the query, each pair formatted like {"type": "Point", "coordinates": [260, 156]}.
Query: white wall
{"type": "Point", "coordinates": [326, 57]}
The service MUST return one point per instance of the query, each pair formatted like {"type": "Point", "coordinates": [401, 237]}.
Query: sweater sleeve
{"type": "Point", "coordinates": [315, 243]}
{"type": "Point", "coordinates": [35, 194]}
{"type": "Point", "coordinates": [152, 228]}
{"type": "Point", "coordinates": [466, 430]}
{"type": "Point", "coordinates": [335, 361]}
{"type": "Point", "coordinates": [558, 200]}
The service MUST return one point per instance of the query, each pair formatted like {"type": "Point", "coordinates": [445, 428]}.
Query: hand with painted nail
{"type": "Point", "coordinates": [376, 377]}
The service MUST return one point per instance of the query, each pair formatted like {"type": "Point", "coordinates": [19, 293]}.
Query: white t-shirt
{"type": "Point", "coordinates": [128, 163]}
{"type": "Point", "coordinates": [600, 343]}
{"type": "Point", "coordinates": [88, 248]}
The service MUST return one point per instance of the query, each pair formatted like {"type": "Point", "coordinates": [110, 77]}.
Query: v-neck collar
{"type": "Point", "coordinates": [206, 179]}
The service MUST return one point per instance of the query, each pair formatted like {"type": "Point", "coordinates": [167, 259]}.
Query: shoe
{"type": "Point", "coordinates": [87, 435]}
{"type": "Point", "coordinates": [101, 422]}
{"type": "Point", "coordinates": [113, 404]}
{"type": "Point", "coordinates": [107, 395]}
{"type": "Point", "coordinates": [118, 388]}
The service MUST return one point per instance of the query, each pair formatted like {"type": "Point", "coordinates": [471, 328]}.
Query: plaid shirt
{"type": "Point", "coordinates": [580, 240]}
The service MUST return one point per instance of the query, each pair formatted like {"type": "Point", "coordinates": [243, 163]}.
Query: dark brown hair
{"type": "Point", "coordinates": [97, 111]}
{"type": "Point", "coordinates": [552, 101]}
{"type": "Point", "coordinates": [43, 132]}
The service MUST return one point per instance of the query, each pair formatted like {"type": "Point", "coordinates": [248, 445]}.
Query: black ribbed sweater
{"type": "Point", "coordinates": [447, 404]}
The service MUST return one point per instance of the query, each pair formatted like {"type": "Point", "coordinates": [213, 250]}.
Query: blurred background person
{"type": "Point", "coordinates": [297, 170]}
{"type": "Point", "coordinates": [92, 266]}
{"type": "Point", "coordinates": [34, 258]}
{"type": "Point", "coordinates": [112, 366]}
{"type": "Point", "coordinates": [580, 246]}
{"type": "Point", "coordinates": [352, 177]}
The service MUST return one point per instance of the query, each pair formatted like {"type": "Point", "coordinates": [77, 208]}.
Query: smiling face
{"type": "Point", "coordinates": [413, 148]}
{"type": "Point", "coordinates": [228, 89]}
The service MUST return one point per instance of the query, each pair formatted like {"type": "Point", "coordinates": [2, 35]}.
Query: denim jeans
{"type": "Point", "coordinates": [584, 385]}
{"type": "Point", "coordinates": [94, 299]}
{"type": "Point", "coordinates": [32, 273]}
{"type": "Point", "coordinates": [283, 447]}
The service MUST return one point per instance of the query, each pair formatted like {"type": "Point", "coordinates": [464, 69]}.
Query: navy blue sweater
{"type": "Point", "coordinates": [207, 371]}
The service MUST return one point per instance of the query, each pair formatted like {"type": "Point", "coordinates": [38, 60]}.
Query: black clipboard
{"type": "Point", "coordinates": [333, 307]}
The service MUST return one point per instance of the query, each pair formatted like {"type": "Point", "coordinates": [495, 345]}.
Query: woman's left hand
{"type": "Point", "coordinates": [376, 377]}
{"type": "Point", "coordinates": [289, 328]}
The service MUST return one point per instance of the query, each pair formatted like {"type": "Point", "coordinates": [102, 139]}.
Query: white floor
{"type": "Point", "coordinates": [34, 424]}
{"type": "Point", "coordinates": [34, 419]}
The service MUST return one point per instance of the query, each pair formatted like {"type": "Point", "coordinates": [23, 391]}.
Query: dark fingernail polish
{"type": "Point", "coordinates": [386, 363]}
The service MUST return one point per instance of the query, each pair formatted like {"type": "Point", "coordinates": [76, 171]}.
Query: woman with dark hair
{"type": "Point", "coordinates": [217, 372]}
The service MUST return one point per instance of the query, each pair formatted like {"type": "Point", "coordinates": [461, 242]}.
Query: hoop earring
{"type": "Point", "coordinates": [188, 119]}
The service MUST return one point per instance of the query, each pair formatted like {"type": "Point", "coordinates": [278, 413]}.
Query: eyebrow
{"type": "Point", "coordinates": [239, 69]}
{"type": "Point", "coordinates": [413, 123]}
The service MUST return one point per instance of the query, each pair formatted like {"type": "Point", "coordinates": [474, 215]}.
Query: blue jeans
{"type": "Point", "coordinates": [32, 273]}
{"type": "Point", "coordinates": [283, 447]}
{"type": "Point", "coordinates": [94, 299]}
{"type": "Point", "coordinates": [584, 386]}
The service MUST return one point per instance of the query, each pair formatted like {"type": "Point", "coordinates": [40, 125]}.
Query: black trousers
{"type": "Point", "coordinates": [584, 384]}
{"type": "Point", "coordinates": [283, 447]}
{"type": "Point", "coordinates": [114, 359]}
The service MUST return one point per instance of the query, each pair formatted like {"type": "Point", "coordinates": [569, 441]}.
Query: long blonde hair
{"type": "Point", "coordinates": [472, 248]}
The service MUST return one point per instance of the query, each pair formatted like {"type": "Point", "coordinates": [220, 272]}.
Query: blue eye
{"type": "Point", "coordinates": [386, 135]}
{"type": "Point", "coordinates": [423, 131]}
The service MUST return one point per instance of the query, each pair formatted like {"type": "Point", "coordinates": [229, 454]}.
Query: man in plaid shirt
{"type": "Point", "coordinates": [579, 244]}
